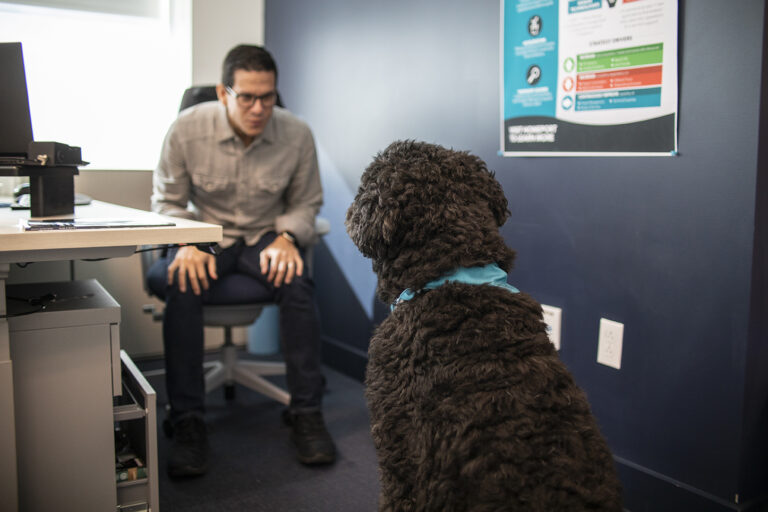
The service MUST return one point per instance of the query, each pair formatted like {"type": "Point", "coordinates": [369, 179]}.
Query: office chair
{"type": "Point", "coordinates": [229, 369]}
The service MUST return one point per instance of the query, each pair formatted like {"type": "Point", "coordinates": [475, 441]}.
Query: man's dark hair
{"type": "Point", "coordinates": [248, 57]}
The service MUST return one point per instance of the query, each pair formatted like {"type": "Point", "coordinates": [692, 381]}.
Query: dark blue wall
{"type": "Point", "coordinates": [665, 245]}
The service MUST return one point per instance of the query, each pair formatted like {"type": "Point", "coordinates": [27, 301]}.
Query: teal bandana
{"type": "Point", "coordinates": [489, 274]}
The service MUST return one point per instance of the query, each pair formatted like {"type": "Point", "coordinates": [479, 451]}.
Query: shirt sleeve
{"type": "Point", "coordinates": [171, 181]}
{"type": "Point", "coordinates": [304, 196]}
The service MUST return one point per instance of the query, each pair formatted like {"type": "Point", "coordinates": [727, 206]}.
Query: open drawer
{"type": "Point", "coordinates": [135, 420]}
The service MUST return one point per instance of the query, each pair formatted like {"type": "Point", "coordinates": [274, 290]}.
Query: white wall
{"type": "Point", "coordinates": [216, 27]}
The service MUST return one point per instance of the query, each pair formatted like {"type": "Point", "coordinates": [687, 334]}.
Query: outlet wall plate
{"type": "Point", "coordinates": [553, 318]}
{"type": "Point", "coordinates": [609, 343]}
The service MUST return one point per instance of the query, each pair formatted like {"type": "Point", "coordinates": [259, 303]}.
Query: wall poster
{"type": "Point", "coordinates": [589, 77]}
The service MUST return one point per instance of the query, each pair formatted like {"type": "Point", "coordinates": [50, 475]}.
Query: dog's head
{"type": "Point", "coordinates": [423, 210]}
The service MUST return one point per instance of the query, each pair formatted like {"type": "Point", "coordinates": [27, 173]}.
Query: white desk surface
{"type": "Point", "coordinates": [17, 245]}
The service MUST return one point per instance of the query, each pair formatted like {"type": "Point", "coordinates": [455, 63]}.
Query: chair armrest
{"type": "Point", "coordinates": [322, 226]}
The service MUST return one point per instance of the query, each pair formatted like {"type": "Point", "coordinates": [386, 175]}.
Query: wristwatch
{"type": "Point", "coordinates": [288, 236]}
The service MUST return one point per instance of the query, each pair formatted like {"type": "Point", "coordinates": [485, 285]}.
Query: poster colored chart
{"type": "Point", "coordinates": [589, 77]}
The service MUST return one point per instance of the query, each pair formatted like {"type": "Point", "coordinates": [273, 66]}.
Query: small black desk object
{"type": "Point", "coordinates": [52, 190]}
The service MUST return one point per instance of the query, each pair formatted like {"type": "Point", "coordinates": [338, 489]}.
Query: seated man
{"type": "Point", "coordinates": [251, 167]}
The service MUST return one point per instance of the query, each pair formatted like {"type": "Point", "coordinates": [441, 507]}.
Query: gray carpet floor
{"type": "Point", "coordinates": [253, 465]}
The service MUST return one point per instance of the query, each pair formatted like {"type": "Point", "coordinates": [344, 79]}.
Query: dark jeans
{"type": "Point", "coordinates": [240, 281]}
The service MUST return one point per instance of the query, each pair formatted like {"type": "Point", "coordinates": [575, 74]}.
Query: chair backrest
{"type": "Point", "coordinates": [198, 94]}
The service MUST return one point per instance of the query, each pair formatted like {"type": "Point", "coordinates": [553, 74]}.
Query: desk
{"type": "Point", "coordinates": [19, 246]}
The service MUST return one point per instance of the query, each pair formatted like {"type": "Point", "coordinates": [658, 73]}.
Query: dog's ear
{"type": "Point", "coordinates": [497, 201]}
{"type": "Point", "coordinates": [372, 221]}
{"type": "Point", "coordinates": [483, 183]}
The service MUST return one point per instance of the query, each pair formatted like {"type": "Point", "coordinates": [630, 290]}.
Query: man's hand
{"type": "Point", "coordinates": [283, 261]}
{"type": "Point", "coordinates": [193, 265]}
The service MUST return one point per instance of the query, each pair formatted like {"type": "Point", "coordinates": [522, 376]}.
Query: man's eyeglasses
{"type": "Point", "coordinates": [246, 100]}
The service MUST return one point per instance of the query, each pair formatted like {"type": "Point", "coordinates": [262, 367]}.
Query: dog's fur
{"type": "Point", "coordinates": [471, 408]}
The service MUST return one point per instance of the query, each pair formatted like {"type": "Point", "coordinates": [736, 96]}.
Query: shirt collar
{"type": "Point", "coordinates": [489, 274]}
{"type": "Point", "coordinates": [224, 131]}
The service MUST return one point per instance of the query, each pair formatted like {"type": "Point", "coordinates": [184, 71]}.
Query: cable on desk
{"type": "Point", "coordinates": [212, 248]}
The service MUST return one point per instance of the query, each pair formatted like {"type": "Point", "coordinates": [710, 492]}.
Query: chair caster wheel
{"type": "Point", "coordinates": [229, 391]}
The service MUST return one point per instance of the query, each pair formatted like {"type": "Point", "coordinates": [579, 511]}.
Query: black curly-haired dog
{"type": "Point", "coordinates": [471, 407]}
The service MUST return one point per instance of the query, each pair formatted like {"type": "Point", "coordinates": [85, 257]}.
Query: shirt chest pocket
{"type": "Point", "coordinates": [210, 184]}
{"type": "Point", "coordinates": [273, 184]}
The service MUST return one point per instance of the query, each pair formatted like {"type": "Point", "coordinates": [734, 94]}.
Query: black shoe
{"type": "Point", "coordinates": [313, 443]}
{"type": "Point", "coordinates": [189, 448]}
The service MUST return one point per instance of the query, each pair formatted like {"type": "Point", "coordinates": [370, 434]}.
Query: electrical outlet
{"type": "Point", "coordinates": [609, 343]}
{"type": "Point", "coordinates": [553, 317]}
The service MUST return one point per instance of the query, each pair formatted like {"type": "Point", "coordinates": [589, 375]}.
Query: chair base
{"type": "Point", "coordinates": [229, 370]}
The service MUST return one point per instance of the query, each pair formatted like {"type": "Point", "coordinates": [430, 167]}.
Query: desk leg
{"type": "Point", "coordinates": [8, 470]}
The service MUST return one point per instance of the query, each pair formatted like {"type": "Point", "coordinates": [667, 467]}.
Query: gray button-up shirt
{"type": "Point", "coordinates": [206, 173]}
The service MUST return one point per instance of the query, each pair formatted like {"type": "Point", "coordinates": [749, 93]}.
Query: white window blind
{"type": "Point", "coordinates": [103, 75]}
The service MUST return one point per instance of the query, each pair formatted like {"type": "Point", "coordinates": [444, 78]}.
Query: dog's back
{"type": "Point", "coordinates": [472, 409]}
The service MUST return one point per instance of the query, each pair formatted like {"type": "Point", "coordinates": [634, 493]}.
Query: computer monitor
{"type": "Point", "coordinates": [15, 121]}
